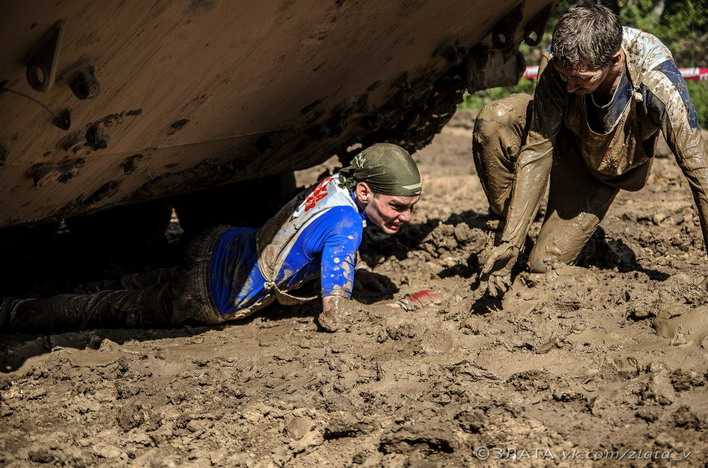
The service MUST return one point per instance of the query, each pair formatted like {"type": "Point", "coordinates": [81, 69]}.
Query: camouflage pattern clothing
{"type": "Point", "coordinates": [590, 151]}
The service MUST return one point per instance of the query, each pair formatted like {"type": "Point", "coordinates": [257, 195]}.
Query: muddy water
{"type": "Point", "coordinates": [583, 365]}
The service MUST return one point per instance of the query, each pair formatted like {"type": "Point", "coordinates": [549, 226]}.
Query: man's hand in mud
{"type": "Point", "coordinates": [497, 268]}
{"type": "Point", "coordinates": [336, 312]}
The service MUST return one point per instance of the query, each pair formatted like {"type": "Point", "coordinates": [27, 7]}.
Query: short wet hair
{"type": "Point", "coordinates": [588, 35]}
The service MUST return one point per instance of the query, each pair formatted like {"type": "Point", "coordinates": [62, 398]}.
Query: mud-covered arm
{"type": "Point", "coordinates": [535, 159]}
{"type": "Point", "coordinates": [687, 145]}
{"type": "Point", "coordinates": [679, 124]}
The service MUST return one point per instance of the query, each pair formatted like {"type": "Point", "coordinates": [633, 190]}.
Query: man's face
{"type": "Point", "coordinates": [582, 80]}
{"type": "Point", "coordinates": [390, 212]}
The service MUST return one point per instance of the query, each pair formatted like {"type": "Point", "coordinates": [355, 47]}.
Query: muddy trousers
{"type": "Point", "coordinates": [158, 298]}
{"type": "Point", "coordinates": [577, 201]}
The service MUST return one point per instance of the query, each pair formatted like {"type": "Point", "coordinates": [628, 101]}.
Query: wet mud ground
{"type": "Point", "coordinates": [577, 366]}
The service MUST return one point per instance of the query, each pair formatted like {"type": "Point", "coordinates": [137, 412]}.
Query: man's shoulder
{"type": "Point", "coordinates": [663, 80]}
{"type": "Point", "coordinates": [342, 218]}
{"type": "Point", "coordinates": [643, 50]}
{"type": "Point", "coordinates": [665, 89]}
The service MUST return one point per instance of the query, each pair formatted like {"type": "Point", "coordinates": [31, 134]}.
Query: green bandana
{"type": "Point", "coordinates": [388, 169]}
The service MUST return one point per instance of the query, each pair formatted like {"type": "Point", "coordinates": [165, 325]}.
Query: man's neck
{"type": "Point", "coordinates": [606, 90]}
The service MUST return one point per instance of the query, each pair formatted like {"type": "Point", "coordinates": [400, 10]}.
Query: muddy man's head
{"type": "Point", "coordinates": [586, 47]}
{"type": "Point", "coordinates": [386, 185]}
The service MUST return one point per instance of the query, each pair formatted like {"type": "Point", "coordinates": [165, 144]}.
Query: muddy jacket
{"type": "Point", "coordinates": [276, 238]}
{"type": "Point", "coordinates": [315, 234]}
{"type": "Point", "coordinates": [617, 147]}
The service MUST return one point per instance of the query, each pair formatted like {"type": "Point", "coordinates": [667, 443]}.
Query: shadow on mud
{"type": "Point", "coordinates": [461, 233]}
{"type": "Point", "coordinates": [16, 349]}
{"type": "Point", "coordinates": [371, 287]}
{"type": "Point", "coordinates": [485, 304]}
{"type": "Point", "coordinates": [40, 261]}
{"type": "Point", "coordinates": [600, 252]}
{"type": "Point", "coordinates": [609, 254]}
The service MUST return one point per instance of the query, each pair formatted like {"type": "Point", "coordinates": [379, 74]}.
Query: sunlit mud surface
{"type": "Point", "coordinates": [583, 365]}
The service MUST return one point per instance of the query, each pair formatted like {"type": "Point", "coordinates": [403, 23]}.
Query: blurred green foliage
{"type": "Point", "coordinates": [475, 101]}
{"type": "Point", "coordinates": [680, 24]}
{"type": "Point", "coordinates": [698, 90]}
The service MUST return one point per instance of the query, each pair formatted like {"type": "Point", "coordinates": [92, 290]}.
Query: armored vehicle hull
{"type": "Point", "coordinates": [121, 102]}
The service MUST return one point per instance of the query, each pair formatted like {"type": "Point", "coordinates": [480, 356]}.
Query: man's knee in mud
{"type": "Point", "coordinates": [540, 263]}
{"type": "Point", "coordinates": [504, 113]}
{"type": "Point", "coordinates": [550, 250]}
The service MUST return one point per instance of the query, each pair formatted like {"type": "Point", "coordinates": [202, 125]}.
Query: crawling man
{"type": "Point", "coordinates": [232, 272]}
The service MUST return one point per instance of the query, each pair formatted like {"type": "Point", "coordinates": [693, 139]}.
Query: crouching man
{"type": "Point", "coordinates": [232, 272]}
{"type": "Point", "coordinates": [591, 126]}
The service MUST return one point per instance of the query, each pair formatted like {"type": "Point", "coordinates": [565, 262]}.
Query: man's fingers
{"type": "Point", "coordinates": [487, 267]}
{"type": "Point", "coordinates": [506, 281]}
{"type": "Point", "coordinates": [503, 283]}
{"type": "Point", "coordinates": [489, 264]}
{"type": "Point", "coordinates": [493, 286]}
{"type": "Point", "coordinates": [497, 285]}
{"type": "Point", "coordinates": [491, 290]}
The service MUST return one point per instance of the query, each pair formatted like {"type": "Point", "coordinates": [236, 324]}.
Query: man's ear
{"type": "Point", "coordinates": [363, 192]}
{"type": "Point", "coordinates": [617, 57]}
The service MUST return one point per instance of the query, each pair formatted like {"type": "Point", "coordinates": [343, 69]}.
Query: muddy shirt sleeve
{"type": "Point", "coordinates": [339, 255]}
{"type": "Point", "coordinates": [533, 166]}
{"type": "Point", "coordinates": [671, 108]}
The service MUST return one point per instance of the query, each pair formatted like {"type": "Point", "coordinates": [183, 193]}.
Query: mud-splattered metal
{"type": "Point", "coordinates": [266, 87]}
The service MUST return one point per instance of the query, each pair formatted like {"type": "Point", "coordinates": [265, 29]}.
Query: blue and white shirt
{"type": "Point", "coordinates": [326, 248]}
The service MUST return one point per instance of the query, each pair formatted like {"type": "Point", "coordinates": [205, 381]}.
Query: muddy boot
{"type": "Point", "coordinates": [106, 309]}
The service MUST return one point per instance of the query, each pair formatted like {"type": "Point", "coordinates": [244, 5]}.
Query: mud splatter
{"type": "Point", "coordinates": [130, 164]}
{"type": "Point", "coordinates": [117, 118]}
{"type": "Point", "coordinates": [63, 171]}
{"type": "Point", "coordinates": [97, 137]}
{"type": "Point", "coordinates": [177, 126]}
{"type": "Point", "coordinates": [70, 141]}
